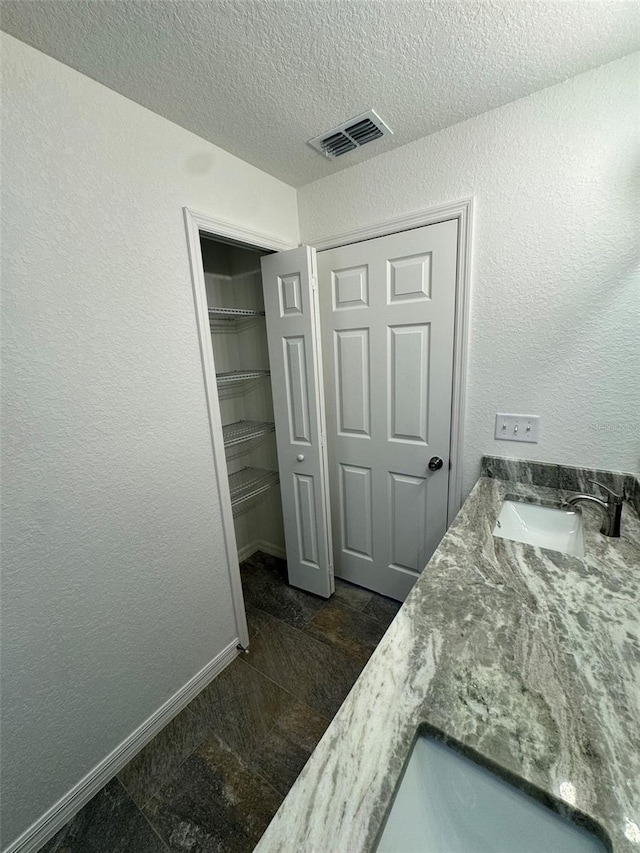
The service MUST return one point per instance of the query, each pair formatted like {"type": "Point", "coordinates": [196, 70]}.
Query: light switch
{"type": "Point", "coordinates": [517, 428]}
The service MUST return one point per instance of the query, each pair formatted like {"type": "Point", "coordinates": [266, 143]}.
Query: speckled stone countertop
{"type": "Point", "coordinates": [527, 656]}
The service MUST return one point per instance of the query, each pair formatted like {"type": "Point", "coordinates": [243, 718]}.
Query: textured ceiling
{"type": "Point", "coordinates": [261, 77]}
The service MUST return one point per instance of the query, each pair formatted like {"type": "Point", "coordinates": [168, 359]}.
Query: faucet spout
{"type": "Point", "coordinates": [611, 509]}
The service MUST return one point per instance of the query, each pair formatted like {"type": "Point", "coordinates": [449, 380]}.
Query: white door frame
{"type": "Point", "coordinates": [195, 223]}
{"type": "Point", "coordinates": [462, 211]}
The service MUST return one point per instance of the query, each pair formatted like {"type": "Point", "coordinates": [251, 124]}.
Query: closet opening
{"type": "Point", "coordinates": [235, 301]}
{"type": "Point", "coordinates": [256, 306]}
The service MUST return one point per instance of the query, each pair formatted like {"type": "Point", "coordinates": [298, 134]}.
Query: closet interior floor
{"type": "Point", "coordinates": [213, 778]}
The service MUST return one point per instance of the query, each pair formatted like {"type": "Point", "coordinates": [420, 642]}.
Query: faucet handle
{"type": "Point", "coordinates": [615, 498]}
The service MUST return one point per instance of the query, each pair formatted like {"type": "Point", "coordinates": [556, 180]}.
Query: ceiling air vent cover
{"type": "Point", "coordinates": [350, 135]}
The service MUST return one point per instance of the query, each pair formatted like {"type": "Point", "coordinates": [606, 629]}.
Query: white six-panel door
{"type": "Point", "coordinates": [290, 299]}
{"type": "Point", "coordinates": [387, 317]}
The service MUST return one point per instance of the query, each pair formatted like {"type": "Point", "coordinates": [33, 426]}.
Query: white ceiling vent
{"type": "Point", "coordinates": [350, 135]}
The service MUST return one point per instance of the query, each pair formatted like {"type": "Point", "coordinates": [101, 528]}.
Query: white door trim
{"type": "Point", "coordinates": [462, 211]}
{"type": "Point", "coordinates": [195, 223]}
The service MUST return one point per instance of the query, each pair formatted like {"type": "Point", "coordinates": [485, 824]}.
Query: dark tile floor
{"type": "Point", "coordinates": [213, 778]}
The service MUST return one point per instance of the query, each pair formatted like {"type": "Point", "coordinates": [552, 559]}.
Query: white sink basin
{"type": "Point", "coordinates": [447, 803]}
{"type": "Point", "coordinates": [544, 526]}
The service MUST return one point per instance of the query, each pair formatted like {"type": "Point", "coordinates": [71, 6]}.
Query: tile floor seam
{"type": "Point", "coordinates": [262, 739]}
{"type": "Point", "coordinates": [337, 646]}
{"type": "Point", "coordinates": [231, 749]}
{"type": "Point", "coordinates": [334, 597]}
{"type": "Point", "coordinates": [259, 776]}
{"type": "Point", "coordinates": [160, 787]}
{"type": "Point", "coordinates": [371, 619]}
{"type": "Point", "coordinates": [286, 690]}
{"type": "Point", "coordinates": [242, 760]}
{"type": "Point", "coordinates": [164, 844]}
{"type": "Point", "coordinates": [339, 603]}
{"type": "Point", "coordinates": [211, 731]}
{"type": "Point", "coordinates": [384, 598]}
{"type": "Point", "coordinates": [344, 604]}
{"type": "Point", "coordinates": [302, 624]}
{"type": "Point", "coordinates": [270, 677]}
{"type": "Point", "coordinates": [306, 597]}
{"type": "Point", "coordinates": [303, 628]}
{"type": "Point", "coordinates": [324, 642]}
{"type": "Point", "coordinates": [264, 612]}
{"type": "Point", "coordinates": [327, 644]}
{"type": "Point", "coordinates": [257, 773]}
{"type": "Point", "coordinates": [313, 615]}
{"type": "Point", "coordinates": [362, 610]}
{"type": "Point", "coordinates": [175, 772]}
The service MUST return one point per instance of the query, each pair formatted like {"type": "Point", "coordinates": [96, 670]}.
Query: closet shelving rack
{"type": "Point", "coordinates": [231, 316]}
{"type": "Point", "coordinates": [233, 376]}
{"type": "Point", "coordinates": [249, 483]}
{"type": "Point", "coordinates": [241, 431]}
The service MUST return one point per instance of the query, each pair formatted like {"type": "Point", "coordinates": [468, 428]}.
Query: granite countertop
{"type": "Point", "coordinates": [527, 656]}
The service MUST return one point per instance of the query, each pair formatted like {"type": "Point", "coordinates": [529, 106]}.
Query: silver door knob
{"type": "Point", "coordinates": [435, 463]}
{"type": "Point", "coordinates": [300, 457]}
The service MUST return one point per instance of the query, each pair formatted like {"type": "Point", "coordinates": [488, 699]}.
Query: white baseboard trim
{"type": "Point", "coordinates": [56, 817]}
{"type": "Point", "coordinates": [261, 545]}
{"type": "Point", "coordinates": [247, 551]}
{"type": "Point", "coordinates": [271, 549]}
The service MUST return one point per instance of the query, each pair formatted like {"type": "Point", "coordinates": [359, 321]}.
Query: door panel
{"type": "Point", "coordinates": [352, 381]}
{"type": "Point", "coordinates": [295, 374]}
{"type": "Point", "coordinates": [356, 509]}
{"type": "Point", "coordinates": [407, 518]}
{"type": "Point", "coordinates": [387, 308]}
{"type": "Point", "coordinates": [408, 383]}
{"type": "Point", "coordinates": [305, 489]}
{"type": "Point", "coordinates": [290, 301]}
{"type": "Point", "coordinates": [409, 279]}
{"type": "Point", "coordinates": [290, 295]}
{"type": "Point", "coordinates": [350, 288]}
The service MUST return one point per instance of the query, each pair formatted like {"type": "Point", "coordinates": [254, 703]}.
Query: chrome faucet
{"type": "Point", "coordinates": [611, 508]}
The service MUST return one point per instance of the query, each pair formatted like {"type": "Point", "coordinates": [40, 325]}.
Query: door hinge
{"type": "Point", "coordinates": [314, 283]}
{"type": "Point", "coordinates": [322, 440]}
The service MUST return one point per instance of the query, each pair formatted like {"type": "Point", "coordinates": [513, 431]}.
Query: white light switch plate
{"type": "Point", "coordinates": [517, 428]}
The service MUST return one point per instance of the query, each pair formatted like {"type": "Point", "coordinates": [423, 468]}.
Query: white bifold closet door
{"type": "Point", "coordinates": [387, 308]}
{"type": "Point", "coordinates": [290, 300]}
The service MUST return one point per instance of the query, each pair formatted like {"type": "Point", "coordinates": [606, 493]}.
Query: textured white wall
{"type": "Point", "coordinates": [555, 317]}
{"type": "Point", "coordinates": [115, 582]}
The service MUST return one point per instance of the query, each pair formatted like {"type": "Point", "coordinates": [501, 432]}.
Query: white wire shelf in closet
{"type": "Point", "coordinates": [249, 483]}
{"type": "Point", "coordinates": [233, 376]}
{"type": "Point", "coordinates": [241, 431]}
{"type": "Point", "coordinates": [229, 318]}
